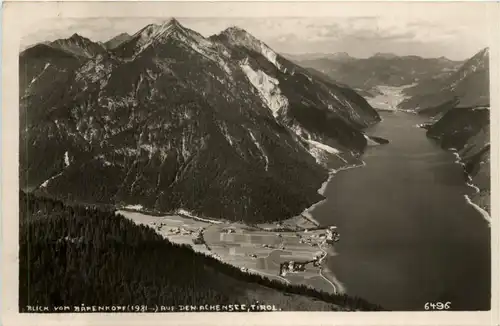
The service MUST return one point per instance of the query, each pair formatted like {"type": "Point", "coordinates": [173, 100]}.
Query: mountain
{"type": "Point", "coordinates": [222, 127]}
{"type": "Point", "coordinates": [84, 257]}
{"type": "Point", "coordinates": [467, 87]}
{"type": "Point", "coordinates": [380, 69]}
{"type": "Point", "coordinates": [116, 41]}
{"type": "Point", "coordinates": [79, 46]}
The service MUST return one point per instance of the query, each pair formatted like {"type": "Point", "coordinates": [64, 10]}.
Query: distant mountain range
{"type": "Point", "coordinates": [468, 86]}
{"type": "Point", "coordinates": [166, 119]}
{"type": "Point", "coordinates": [380, 69]}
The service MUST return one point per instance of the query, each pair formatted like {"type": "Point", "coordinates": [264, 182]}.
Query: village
{"type": "Point", "coordinates": [280, 251]}
{"type": "Point", "coordinates": [313, 239]}
{"type": "Point", "coordinates": [329, 237]}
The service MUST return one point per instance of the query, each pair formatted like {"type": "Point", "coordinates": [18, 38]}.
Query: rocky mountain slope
{"type": "Point", "coordinates": [380, 69]}
{"type": "Point", "coordinates": [222, 126]}
{"type": "Point", "coordinates": [462, 122]}
{"type": "Point", "coordinates": [467, 87]}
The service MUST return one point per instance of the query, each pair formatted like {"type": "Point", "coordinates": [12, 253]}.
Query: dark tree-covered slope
{"type": "Point", "coordinates": [74, 255]}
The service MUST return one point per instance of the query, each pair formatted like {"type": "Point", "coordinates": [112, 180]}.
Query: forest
{"type": "Point", "coordinates": [74, 255]}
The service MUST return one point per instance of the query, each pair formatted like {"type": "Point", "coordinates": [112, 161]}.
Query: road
{"type": "Point", "coordinates": [321, 269]}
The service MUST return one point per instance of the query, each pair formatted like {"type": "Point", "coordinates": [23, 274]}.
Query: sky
{"type": "Point", "coordinates": [361, 37]}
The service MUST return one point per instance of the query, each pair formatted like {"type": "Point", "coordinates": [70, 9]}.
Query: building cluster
{"type": "Point", "coordinates": [291, 267]}
{"type": "Point", "coordinates": [199, 238]}
{"type": "Point", "coordinates": [329, 236]}
{"type": "Point", "coordinates": [332, 235]}
{"type": "Point", "coordinates": [182, 231]}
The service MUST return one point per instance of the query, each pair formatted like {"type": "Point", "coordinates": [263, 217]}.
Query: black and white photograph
{"type": "Point", "coordinates": [255, 163]}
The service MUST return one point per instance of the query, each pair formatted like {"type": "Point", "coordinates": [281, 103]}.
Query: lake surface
{"type": "Point", "coordinates": [407, 234]}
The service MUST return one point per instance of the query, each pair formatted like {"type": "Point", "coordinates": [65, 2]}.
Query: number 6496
{"type": "Point", "coordinates": [437, 305]}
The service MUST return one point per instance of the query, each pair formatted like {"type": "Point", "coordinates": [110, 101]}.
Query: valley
{"type": "Point", "coordinates": [388, 98]}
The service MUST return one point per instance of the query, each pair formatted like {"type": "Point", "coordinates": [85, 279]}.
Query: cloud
{"type": "Point", "coordinates": [364, 34]}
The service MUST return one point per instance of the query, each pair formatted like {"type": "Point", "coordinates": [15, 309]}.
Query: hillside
{"type": "Point", "coordinates": [466, 131]}
{"type": "Point", "coordinates": [461, 114]}
{"type": "Point", "coordinates": [81, 256]}
{"type": "Point", "coordinates": [222, 127]}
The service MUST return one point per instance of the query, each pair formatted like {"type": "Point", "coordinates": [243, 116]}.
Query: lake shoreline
{"type": "Point", "coordinates": [307, 213]}
{"type": "Point", "coordinates": [458, 160]}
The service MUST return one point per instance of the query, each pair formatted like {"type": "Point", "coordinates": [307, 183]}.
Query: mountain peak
{"type": "Point", "coordinates": [151, 34]}
{"type": "Point", "coordinates": [485, 51]}
{"type": "Point", "coordinates": [235, 33]}
{"type": "Point", "coordinates": [78, 45]}
{"type": "Point", "coordinates": [152, 31]}
{"type": "Point", "coordinates": [172, 21]}
{"type": "Point", "coordinates": [77, 38]}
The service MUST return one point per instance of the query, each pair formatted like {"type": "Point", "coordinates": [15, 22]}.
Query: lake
{"type": "Point", "coordinates": [407, 234]}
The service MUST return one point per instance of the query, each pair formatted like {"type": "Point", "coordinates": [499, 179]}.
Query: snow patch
{"type": "Point", "coordinates": [318, 150]}
{"type": "Point", "coordinates": [46, 182]}
{"type": "Point", "coordinates": [66, 159]}
{"type": "Point", "coordinates": [185, 152]}
{"type": "Point", "coordinates": [270, 55]}
{"type": "Point", "coordinates": [259, 147]}
{"type": "Point", "coordinates": [324, 147]}
{"type": "Point", "coordinates": [38, 76]}
{"type": "Point", "coordinates": [226, 134]}
{"type": "Point", "coordinates": [267, 87]}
